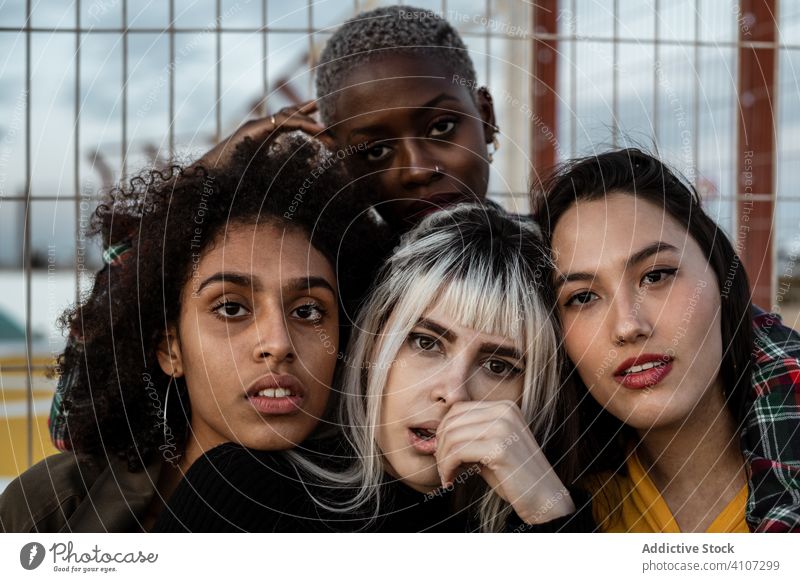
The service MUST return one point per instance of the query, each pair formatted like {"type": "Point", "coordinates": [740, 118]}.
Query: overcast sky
{"type": "Point", "coordinates": [54, 64]}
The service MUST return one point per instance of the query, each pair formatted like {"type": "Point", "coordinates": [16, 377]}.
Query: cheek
{"type": "Point", "coordinates": [516, 390]}
{"type": "Point", "coordinates": [393, 392]}
{"type": "Point", "coordinates": [710, 328]}
{"type": "Point", "coordinates": [317, 350]}
{"type": "Point", "coordinates": [696, 320]}
{"type": "Point", "coordinates": [579, 339]}
{"type": "Point", "coordinates": [402, 396]}
{"type": "Point", "coordinates": [493, 390]}
{"type": "Point", "coordinates": [388, 423]}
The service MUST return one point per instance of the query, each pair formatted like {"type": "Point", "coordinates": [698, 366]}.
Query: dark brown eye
{"type": "Point", "coordinates": [423, 342]}
{"type": "Point", "coordinates": [658, 275]}
{"type": "Point", "coordinates": [502, 368]}
{"type": "Point", "coordinates": [581, 298]}
{"type": "Point", "coordinates": [442, 128]}
{"type": "Point", "coordinates": [498, 366]}
{"type": "Point", "coordinates": [377, 153]}
{"type": "Point", "coordinates": [309, 312]}
{"type": "Point", "coordinates": [230, 310]}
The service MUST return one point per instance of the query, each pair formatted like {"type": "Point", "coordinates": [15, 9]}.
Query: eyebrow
{"type": "Point", "coordinates": [371, 130]}
{"type": "Point", "coordinates": [438, 99]}
{"type": "Point", "coordinates": [498, 350]}
{"type": "Point", "coordinates": [308, 283]}
{"type": "Point", "coordinates": [485, 348]}
{"type": "Point", "coordinates": [437, 329]}
{"type": "Point", "coordinates": [637, 257]}
{"type": "Point", "coordinates": [240, 279]}
{"type": "Point", "coordinates": [244, 280]}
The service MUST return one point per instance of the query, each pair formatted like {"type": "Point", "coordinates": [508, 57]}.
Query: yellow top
{"type": "Point", "coordinates": [643, 510]}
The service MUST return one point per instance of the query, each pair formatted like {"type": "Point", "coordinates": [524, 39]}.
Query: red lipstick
{"type": "Point", "coordinates": [643, 371]}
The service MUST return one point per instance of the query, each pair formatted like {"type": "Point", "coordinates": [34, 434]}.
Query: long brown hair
{"type": "Point", "coordinates": [636, 173]}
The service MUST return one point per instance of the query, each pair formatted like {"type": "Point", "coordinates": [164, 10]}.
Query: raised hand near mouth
{"type": "Point", "coordinates": [494, 436]}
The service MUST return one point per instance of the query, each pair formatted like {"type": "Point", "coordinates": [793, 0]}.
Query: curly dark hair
{"type": "Point", "coordinates": [388, 30]}
{"type": "Point", "coordinates": [168, 218]}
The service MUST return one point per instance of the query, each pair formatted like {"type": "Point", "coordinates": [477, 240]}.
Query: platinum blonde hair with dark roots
{"type": "Point", "coordinates": [486, 269]}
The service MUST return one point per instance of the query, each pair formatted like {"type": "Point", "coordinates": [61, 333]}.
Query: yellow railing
{"type": "Point", "coordinates": [24, 438]}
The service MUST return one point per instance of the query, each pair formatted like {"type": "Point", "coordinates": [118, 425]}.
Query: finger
{"type": "Point", "coordinates": [291, 119]}
{"type": "Point", "coordinates": [469, 452]}
{"type": "Point", "coordinates": [504, 448]}
{"type": "Point", "coordinates": [310, 106]}
{"type": "Point", "coordinates": [468, 440]}
{"type": "Point", "coordinates": [471, 415]}
{"type": "Point", "coordinates": [308, 126]}
{"type": "Point", "coordinates": [503, 411]}
{"type": "Point", "coordinates": [461, 407]}
{"type": "Point", "coordinates": [262, 129]}
{"type": "Point", "coordinates": [460, 410]}
{"type": "Point", "coordinates": [295, 119]}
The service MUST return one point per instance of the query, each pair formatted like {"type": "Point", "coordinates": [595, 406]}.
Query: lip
{"type": "Point", "coordinates": [277, 406]}
{"type": "Point", "coordinates": [422, 446]}
{"type": "Point", "coordinates": [421, 208]}
{"type": "Point", "coordinates": [645, 378]}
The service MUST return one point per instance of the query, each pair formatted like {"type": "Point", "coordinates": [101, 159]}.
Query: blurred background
{"type": "Point", "coordinates": [91, 91]}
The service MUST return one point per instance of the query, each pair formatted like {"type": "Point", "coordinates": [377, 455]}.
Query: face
{"type": "Point", "coordinates": [257, 340]}
{"type": "Point", "coordinates": [419, 136]}
{"type": "Point", "coordinates": [438, 365]}
{"type": "Point", "coordinates": [640, 308]}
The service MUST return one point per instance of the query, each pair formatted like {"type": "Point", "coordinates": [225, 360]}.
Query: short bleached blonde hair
{"type": "Point", "coordinates": [485, 268]}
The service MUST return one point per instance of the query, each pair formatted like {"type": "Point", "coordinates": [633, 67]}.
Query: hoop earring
{"type": "Point", "coordinates": [495, 145]}
{"type": "Point", "coordinates": [166, 404]}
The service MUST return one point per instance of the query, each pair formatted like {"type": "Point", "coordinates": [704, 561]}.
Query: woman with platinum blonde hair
{"type": "Point", "coordinates": [450, 405]}
{"type": "Point", "coordinates": [455, 363]}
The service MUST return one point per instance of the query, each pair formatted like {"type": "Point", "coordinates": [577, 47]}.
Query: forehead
{"type": "Point", "coordinates": [606, 231]}
{"type": "Point", "coordinates": [398, 81]}
{"type": "Point", "coordinates": [269, 248]}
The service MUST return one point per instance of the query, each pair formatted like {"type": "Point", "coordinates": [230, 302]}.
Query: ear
{"type": "Point", "coordinates": [169, 354]}
{"type": "Point", "coordinates": [486, 108]}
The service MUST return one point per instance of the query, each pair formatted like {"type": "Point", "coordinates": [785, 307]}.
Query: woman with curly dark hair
{"type": "Point", "coordinates": [219, 320]}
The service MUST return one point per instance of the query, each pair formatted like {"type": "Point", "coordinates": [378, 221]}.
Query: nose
{"type": "Point", "coordinates": [451, 384]}
{"type": "Point", "coordinates": [417, 165]}
{"type": "Point", "coordinates": [630, 321]}
{"type": "Point", "coordinates": [272, 341]}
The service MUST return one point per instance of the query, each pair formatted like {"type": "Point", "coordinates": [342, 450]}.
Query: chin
{"type": "Point", "coordinates": [420, 477]}
{"type": "Point", "coordinates": [276, 441]}
{"type": "Point", "coordinates": [655, 419]}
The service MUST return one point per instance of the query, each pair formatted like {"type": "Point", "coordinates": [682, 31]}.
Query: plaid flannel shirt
{"type": "Point", "coordinates": [771, 436]}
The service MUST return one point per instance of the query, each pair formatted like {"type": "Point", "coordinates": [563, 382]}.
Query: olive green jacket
{"type": "Point", "coordinates": [61, 494]}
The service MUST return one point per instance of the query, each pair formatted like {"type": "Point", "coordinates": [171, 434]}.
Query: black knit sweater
{"type": "Point", "coordinates": [234, 489]}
